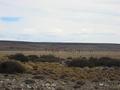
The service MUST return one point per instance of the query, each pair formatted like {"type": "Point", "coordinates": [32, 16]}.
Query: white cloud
{"type": "Point", "coordinates": [65, 20]}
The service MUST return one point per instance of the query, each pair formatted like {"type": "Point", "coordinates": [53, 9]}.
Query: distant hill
{"type": "Point", "coordinates": [38, 46]}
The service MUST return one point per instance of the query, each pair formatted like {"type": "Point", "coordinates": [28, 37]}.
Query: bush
{"type": "Point", "coordinates": [33, 58]}
{"type": "Point", "coordinates": [19, 57]}
{"type": "Point", "coordinates": [49, 58]}
{"type": "Point", "coordinates": [78, 62]}
{"type": "Point", "coordinates": [12, 67]}
{"type": "Point", "coordinates": [94, 62]}
{"type": "Point", "coordinates": [105, 61]}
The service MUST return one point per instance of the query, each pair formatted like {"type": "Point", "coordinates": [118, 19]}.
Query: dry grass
{"type": "Point", "coordinates": [3, 57]}
{"type": "Point", "coordinates": [58, 71]}
{"type": "Point", "coordinates": [65, 54]}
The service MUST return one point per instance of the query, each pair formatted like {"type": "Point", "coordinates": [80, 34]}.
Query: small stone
{"type": "Point", "coordinates": [47, 85]}
{"type": "Point", "coordinates": [1, 81]}
{"type": "Point", "coordinates": [29, 81]}
{"type": "Point", "coordinates": [28, 86]}
{"type": "Point", "coordinates": [53, 85]}
{"type": "Point", "coordinates": [101, 84]}
{"type": "Point", "coordinates": [39, 77]}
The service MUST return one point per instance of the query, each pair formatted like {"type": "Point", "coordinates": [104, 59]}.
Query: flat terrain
{"type": "Point", "coordinates": [57, 75]}
{"type": "Point", "coordinates": [39, 46]}
{"type": "Point", "coordinates": [63, 50]}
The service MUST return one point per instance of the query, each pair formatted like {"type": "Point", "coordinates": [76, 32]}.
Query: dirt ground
{"type": "Point", "coordinates": [38, 82]}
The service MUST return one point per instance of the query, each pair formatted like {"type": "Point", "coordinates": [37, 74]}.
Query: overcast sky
{"type": "Point", "coordinates": [60, 20]}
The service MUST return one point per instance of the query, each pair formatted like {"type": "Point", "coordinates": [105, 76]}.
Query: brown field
{"type": "Point", "coordinates": [66, 54]}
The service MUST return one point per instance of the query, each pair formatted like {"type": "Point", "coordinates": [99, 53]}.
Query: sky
{"type": "Point", "coordinates": [92, 21]}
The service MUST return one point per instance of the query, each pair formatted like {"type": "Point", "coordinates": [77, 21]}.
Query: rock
{"type": "Point", "coordinates": [80, 82]}
{"type": "Point", "coordinates": [29, 81]}
{"type": "Point", "coordinates": [38, 77]}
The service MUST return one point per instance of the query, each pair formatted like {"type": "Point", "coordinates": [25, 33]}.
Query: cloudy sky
{"type": "Point", "coordinates": [60, 20]}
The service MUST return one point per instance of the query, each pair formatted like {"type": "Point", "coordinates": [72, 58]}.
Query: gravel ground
{"type": "Point", "coordinates": [38, 82]}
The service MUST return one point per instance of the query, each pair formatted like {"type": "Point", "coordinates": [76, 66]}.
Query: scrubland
{"type": "Point", "coordinates": [79, 73]}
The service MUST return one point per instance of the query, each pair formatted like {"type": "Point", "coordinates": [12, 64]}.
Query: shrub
{"type": "Point", "coordinates": [49, 58]}
{"type": "Point", "coordinates": [106, 61]}
{"type": "Point", "coordinates": [19, 57]}
{"type": "Point", "coordinates": [78, 62]}
{"type": "Point", "coordinates": [94, 62]}
{"type": "Point", "coordinates": [12, 67]}
{"type": "Point", "coordinates": [33, 58]}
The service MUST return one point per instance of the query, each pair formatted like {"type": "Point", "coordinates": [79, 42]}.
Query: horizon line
{"type": "Point", "coordinates": [67, 42]}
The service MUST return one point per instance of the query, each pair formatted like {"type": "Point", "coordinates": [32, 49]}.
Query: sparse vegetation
{"type": "Point", "coordinates": [77, 68]}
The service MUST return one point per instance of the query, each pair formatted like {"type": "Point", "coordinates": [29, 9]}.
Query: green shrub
{"type": "Point", "coordinates": [12, 67]}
